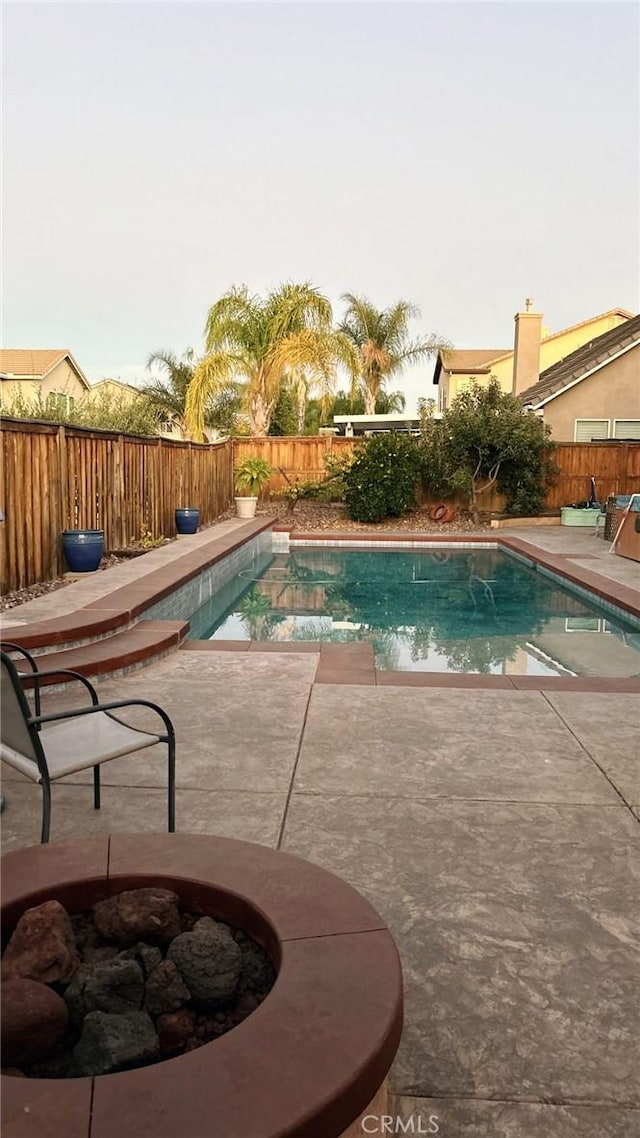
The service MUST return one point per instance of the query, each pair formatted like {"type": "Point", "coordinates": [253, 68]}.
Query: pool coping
{"type": "Point", "coordinates": [338, 663]}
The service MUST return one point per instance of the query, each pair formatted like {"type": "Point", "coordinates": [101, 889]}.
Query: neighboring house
{"type": "Point", "coordinates": [516, 369]}
{"type": "Point", "coordinates": [47, 374]}
{"type": "Point", "coordinates": [115, 388]}
{"type": "Point", "coordinates": [593, 393]}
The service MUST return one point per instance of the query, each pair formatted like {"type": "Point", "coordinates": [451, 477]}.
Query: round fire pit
{"type": "Point", "coordinates": [306, 1064]}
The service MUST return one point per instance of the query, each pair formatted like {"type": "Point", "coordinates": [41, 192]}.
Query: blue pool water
{"type": "Point", "coordinates": [432, 610]}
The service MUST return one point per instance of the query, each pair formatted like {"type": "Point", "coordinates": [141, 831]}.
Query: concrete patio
{"type": "Point", "coordinates": [495, 831]}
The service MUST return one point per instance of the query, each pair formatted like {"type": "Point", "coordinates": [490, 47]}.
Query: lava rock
{"type": "Point", "coordinates": [146, 955]}
{"type": "Point", "coordinates": [34, 1019]}
{"type": "Point", "coordinates": [257, 972]}
{"type": "Point", "coordinates": [209, 961]}
{"type": "Point", "coordinates": [110, 1042]}
{"type": "Point", "coordinates": [42, 946]}
{"type": "Point", "coordinates": [138, 914]}
{"type": "Point", "coordinates": [165, 990]}
{"type": "Point", "coordinates": [108, 986]}
{"type": "Point", "coordinates": [174, 1029]}
{"type": "Point", "coordinates": [97, 954]}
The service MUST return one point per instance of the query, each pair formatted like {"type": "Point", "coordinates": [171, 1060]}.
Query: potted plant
{"type": "Point", "coordinates": [251, 476]}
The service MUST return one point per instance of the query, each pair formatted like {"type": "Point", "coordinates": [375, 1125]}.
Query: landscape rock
{"type": "Point", "coordinates": [108, 986]}
{"type": "Point", "coordinates": [110, 1042]}
{"type": "Point", "coordinates": [42, 946]}
{"type": "Point", "coordinates": [165, 990]}
{"type": "Point", "coordinates": [146, 955]}
{"type": "Point", "coordinates": [34, 1019]}
{"type": "Point", "coordinates": [174, 1029]}
{"type": "Point", "coordinates": [139, 914]}
{"type": "Point", "coordinates": [209, 961]}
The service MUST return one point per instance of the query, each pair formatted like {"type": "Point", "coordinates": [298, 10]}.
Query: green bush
{"type": "Point", "coordinates": [383, 479]}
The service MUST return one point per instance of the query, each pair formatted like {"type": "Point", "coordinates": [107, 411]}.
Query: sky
{"type": "Point", "coordinates": [462, 156]}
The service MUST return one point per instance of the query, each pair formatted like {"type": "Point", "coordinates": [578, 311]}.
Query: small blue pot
{"type": "Point", "coordinates": [187, 520]}
{"type": "Point", "coordinates": [83, 549]}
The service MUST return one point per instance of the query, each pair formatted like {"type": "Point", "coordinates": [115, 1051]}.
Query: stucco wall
{"type": "Point", "coordinates": [613, 392]}
{"type": "Point", "coordinates": [63, 380]}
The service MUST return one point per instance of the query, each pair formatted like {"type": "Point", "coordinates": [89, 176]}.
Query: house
{"type": "Point", "coordinates": [115, 389]}
{"type": "Point", "coordinates": [50, 375]}
{"type": "Point", "coordinates": [534, 350]}
{"type": "Point", "coordinates": [594, 392]}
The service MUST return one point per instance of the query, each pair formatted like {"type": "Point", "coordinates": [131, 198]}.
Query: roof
{"type": "Point", "coordinates": [470, 359]}
{"type": "Point", "coordinates": [35, 363]}
{"type": "Point", "coordinates": [116, 383]}
{"type": "Point", "coordinates": [463, 360]}
{"type": "Point", "coordinates": [583, 362]}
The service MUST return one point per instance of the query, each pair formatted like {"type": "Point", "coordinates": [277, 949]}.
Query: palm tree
{"type": "Point", "coordinates": [168, 399]}
{"type": "Point", "coordinates": [381, 338]}
{"type": "Point", "coordinates": [264, 341]}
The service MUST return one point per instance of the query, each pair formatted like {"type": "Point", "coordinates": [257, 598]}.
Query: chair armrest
{"type": "Point", "coordinates": [34, 678]}
{"type": "Point", "coordinates": [36, 720]}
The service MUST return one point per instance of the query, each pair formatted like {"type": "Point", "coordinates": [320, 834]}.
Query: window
{"type": "Point", "coordinates": [59, 403]}
{"type": "Point", "coordinates": [626, 429]}
{"type": "Point", "coordinates": [589, 430]}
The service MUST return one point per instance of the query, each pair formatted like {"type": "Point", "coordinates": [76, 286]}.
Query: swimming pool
{"type": "Point", "coordinates": [436, 610]}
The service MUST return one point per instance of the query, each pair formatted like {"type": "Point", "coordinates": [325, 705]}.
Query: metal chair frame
{"type": "Point", "coordinates": [35, 722]}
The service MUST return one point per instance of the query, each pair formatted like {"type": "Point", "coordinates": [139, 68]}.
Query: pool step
{"type": "Point", "coordinates": [145, 641]}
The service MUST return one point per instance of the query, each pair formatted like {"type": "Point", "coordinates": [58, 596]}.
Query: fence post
{"type": "Point", "coordinates": [63, 496]}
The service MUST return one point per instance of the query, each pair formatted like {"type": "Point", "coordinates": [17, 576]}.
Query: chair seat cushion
{"type": "Point", "coordinates": [86, 740]}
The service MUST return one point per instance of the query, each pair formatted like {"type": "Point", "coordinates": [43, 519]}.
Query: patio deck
{"type": "Point", "coordinates": [496, 831]}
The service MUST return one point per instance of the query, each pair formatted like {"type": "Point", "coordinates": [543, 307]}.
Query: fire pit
{"type": "Point", "coordinates": [305, 1064]}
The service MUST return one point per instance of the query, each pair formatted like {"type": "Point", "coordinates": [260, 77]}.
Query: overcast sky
{"type": "Point", "coordinates": [462, 156]}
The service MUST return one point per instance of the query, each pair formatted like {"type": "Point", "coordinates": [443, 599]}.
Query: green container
{"type": "Point", "coordinates": [570, 516]}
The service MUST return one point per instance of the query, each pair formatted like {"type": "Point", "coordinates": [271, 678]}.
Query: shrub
{"type": "Point", "coordinates": [334, 486]}
{"type": "Point", "coordinates": [383, 479]}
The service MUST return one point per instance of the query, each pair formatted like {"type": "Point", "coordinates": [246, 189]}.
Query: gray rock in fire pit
{"type": "Point", "coordinates": [165, 990]}
{"type": "Point", "coordinates": [209, 961]}
{"type": "Point", "coordinates": [109, 1042]}
{"type": "Point", "coordinates": [146, 955]}
{"type": "Point", "coordinates": [107, 986]}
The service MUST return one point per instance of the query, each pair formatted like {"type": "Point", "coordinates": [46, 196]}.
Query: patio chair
{"type": "Point", "coordinates": [47, 747]}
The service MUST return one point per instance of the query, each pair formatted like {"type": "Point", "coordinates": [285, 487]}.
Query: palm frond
{"type": "Point", "coordinates": [212, 375]}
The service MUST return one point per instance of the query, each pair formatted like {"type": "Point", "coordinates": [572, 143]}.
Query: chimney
{"type": "Point", "coordinates": [526, 348]}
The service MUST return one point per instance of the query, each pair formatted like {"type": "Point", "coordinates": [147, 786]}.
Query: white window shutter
{"type": "Point", "coordinates": [588, 429]}
{"type": "Point", "coordinates": [626, 429]}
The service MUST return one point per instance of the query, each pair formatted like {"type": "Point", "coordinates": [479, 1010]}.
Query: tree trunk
{"type": "Point", "coordinates": [259, 415]}
{"type": "Point", "coordinates": [369, 402]}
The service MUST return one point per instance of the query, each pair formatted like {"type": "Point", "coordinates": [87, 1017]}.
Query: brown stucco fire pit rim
{"type": "Point", "coordinates": [303, 1065]}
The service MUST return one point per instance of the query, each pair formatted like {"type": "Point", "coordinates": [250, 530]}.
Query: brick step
{"type": "Point", "coordinates": [143, 642]}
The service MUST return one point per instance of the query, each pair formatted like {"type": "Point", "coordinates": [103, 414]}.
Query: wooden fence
{"type": "Point", "coordinates": [54, 478]}
{"type": "Point", "coordinates": [615, 466]}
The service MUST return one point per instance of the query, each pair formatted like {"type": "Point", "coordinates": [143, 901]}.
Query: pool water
{"type": "Point", "coordinates": [432, 610]}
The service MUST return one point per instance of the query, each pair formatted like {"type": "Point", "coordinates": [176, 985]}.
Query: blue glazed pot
{"type": "Point", "coordinates": [187, 520]}
{"type": "Point", "coordinates": [83, 549]}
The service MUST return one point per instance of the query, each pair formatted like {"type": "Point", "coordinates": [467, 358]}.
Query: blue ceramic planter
{"type": "Point", "coordinates": [187, 520]}
{"type": "Point", "coordinates": [83, 549]}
